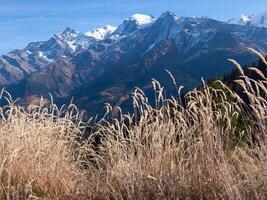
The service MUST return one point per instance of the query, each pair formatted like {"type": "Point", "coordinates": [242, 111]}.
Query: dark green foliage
{"type": "Point", "coordinates": [244, 120]}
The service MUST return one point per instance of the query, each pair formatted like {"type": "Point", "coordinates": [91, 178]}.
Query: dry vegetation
{"type": "Point", "coordinates": [192, 151]}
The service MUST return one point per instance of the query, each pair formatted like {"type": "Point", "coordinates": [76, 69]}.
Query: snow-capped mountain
{"type": "Point", "coordinates": [18, 64]}
{"type": "Point", "coordinates": [251, 20]}
{"type": "Point", "coordinates": [105, 64]}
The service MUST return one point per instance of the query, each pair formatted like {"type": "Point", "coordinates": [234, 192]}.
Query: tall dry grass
{"type": "Point", "coordinates": [189, 150]}
{"type": "Point", "coordinates": [39, 153]}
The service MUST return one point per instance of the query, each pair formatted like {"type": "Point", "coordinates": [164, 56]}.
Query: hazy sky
{"type": "Point", "coordinates": [23, 21]}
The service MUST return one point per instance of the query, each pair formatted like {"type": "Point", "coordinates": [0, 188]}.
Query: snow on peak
{"type": "Point", "coordinates": [245, 19]}
{"type": "Point", "coordinates": [67, 34]}
{"type": "Point", "coordinates": [242, 20]}
{"type": "Point", "coordinates": [71, 40]}
{"type": "Point", "coordinates": [132, 24]}
{"type": "Point", "coordinates": [141, 19]}
{"type": "Point", "coordinates": [101, 33]}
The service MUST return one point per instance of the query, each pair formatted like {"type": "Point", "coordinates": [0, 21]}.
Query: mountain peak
{"type": "Point", "coordinates": [246, 18]}
{"type": "Point", "coordinates": [101, 33]}
{"type": "Point", "coordinates": [68, 30]}
{"type": "Point", "coordinates": [141, 19]}
{"type": "Point", "coordinates": [169, 14]}
{"type": "Point", "coordinates": [67, 34]}
{"type": "Point", "coordinates": [242, 20]}
{"type": "Point", "coordinates": [133, 23]}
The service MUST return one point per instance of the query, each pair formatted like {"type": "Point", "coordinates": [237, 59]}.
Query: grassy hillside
{"type": "Point", "coordinates": [189, 150]}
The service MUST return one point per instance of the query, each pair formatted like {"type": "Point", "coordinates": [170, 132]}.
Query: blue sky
{"type": "Point", "coordinates": [23, 21]}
